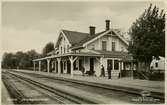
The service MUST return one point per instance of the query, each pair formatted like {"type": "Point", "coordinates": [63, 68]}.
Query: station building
{"type": "Point", "coordinates": [77, 50]}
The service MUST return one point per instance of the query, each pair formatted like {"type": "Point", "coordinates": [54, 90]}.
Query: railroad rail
{"type": "Point", "coordinates": [66, 96]}
{"type": "Point", "coordinates": [16, 95]}
{"type": "Point", "coordinates": [134, 92]}
{"type": "Point", "coordinates": [127, 90]}
{"type": "Point", "coordinates": [44, 92]}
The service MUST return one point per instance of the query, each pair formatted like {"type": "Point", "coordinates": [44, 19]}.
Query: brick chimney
{"type": "Point", "coordinates": [107, 25]}
{"type": "Point", "coordinates": [92, 30]}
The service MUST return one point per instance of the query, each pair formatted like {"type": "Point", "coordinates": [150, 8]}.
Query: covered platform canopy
{"type": "Point", "coordinates": [59, 57]}
{"type": "Point", "coordinates": [69, 54]}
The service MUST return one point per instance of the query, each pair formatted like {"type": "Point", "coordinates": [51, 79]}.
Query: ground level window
{"type": "Point", "coordinates": [75, 65]}
{"type": "Point", "coordinates": [116, 65]}
{"type": "Point", "coordinates": [64, 65]}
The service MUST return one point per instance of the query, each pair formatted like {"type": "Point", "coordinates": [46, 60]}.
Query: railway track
{"type": "Point", "coordinates": [136, 92]}
{"type": "Point", "coordinates": [15, 94]}
{"type": "Point", "coordinates": [53, 98]}
{"type": "Point", "coordinates": [64, 98]}
{"type": "Point", "coordinates": [100, 89]}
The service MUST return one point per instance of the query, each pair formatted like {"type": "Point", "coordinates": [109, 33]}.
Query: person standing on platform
{"type": "Point", "coordinates": [102, 71]}
{"type": "Point", "coordinates": [83, 70]}
{"type": "Point", "coordinates": [109, 71]}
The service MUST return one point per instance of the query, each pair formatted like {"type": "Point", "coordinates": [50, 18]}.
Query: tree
{"type": "Point", "coordinates": [32, 54]}
{"type": "Point", "coordinates": [9, 60]}
{"type": "Point", "coordinates": [48, 48]}
{"type": "Point", "coordinates": [148, 35]}
{"type": "Point", "coordinates": [21, 60]}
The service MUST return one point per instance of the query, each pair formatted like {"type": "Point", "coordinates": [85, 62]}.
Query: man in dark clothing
{"type": "Point", "coordinates": [102, 71]}
{"type": "Point", "coordinates": [109, 71]}
{"type": "Point", "coordinates": [83, 70]}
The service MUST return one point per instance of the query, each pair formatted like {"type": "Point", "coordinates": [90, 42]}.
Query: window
{"type": "Point", "coordinates": [61, 50]}
{"type": "Point", "coordinates": [122, 49]}
{"type": "Point", "coordinates": [116, 65]}
{"type": "Point", "coordinates": [64, 65]}
{"type": "Point", "coordinates": [75, 65]}
{"type": "Point", "coordinates": [104, 45]}
{"type": "Point", "coordinates": [113, 46]}
{"type": "Point", "coordinates": [93, 47]}
{"type": "Point", "coordinates": [64, 49]}
{"type": "Point", "coordinates": [156, 64]}
{"type": "Point", "coordinates": [67, 48]}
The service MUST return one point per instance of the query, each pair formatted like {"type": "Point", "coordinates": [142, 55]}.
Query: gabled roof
{"type": "Point", "coordinates": [78, 39]}
{"type": "Point", "coordinates": [89, 38]}
{"type": "Point", "coordinates": [75, 37]}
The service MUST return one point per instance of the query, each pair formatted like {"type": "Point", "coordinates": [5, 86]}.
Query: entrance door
{"type": "Point", "coordinates": [56, 67]}
{"type": "Point", "coordinates": [116, 65]}
{"type": "Point", "coordinates": [80, 64]}
{"type": "Point", "coordinates": [110, 62]}
{"type": "Point", "coordinates": [68, 67]}
{"type": "Point", "coordinates": [91, 64]}
{"type": "Point", "coordinates": [61, 65]}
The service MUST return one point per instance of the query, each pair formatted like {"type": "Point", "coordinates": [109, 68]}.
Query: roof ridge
{"type": "Point", "coordinates": [91, 36]}
{"type": "Point", "coordinates": [75, 31]}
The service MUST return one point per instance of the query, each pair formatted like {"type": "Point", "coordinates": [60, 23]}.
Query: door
{"type": "Point", "coordinates": [56, 67]}
{"type": "Point", "coordinates": [68, 67]}
{"type": "Point", "coordinates": [61, 65]}
{"type": "Point", "coordinates": [80, 64]}
{"type": "Point", "coordinates": [116, 65]}
{"type": "Point", "coordinates": [91, 64]}
{"type": "Point", "coordinates": [110, 62]}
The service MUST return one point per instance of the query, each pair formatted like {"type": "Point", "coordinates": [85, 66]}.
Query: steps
{"type": "Point", "coordinates": [114, 74]}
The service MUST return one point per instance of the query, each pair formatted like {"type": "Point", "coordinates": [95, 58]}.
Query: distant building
{"type": "Point", "coordinates": [158, 64]}
{"type": "Point", "coordinates": [77, 50]}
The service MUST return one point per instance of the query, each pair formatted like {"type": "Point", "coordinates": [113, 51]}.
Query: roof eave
{"type": "Point", "coordinates": [77, 47]}
{"type": "Point", "coordinates": [86, 43]}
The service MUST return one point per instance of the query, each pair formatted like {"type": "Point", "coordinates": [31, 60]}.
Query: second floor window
{"type": "Point", "coordinates": [122, 49]}
{"type": "Point", "coordinates": [104, 45]}
{"type": "Point", "coordinates": [67, 48]}
{"type": "Point", "coordinates": [64, 49]}
{"type": "Point", "coordinates": [113, 46]}
{"type": "Point", "coordinates": [93, 47]}
{"type": "Point", "coordinates": [61, 50]}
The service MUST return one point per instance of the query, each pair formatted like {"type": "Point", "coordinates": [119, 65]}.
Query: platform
{"type": "Point", "coordinates": [154, 86]}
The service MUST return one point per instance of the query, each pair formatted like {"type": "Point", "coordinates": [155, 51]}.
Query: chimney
{"type": "Point", "coordinates": [92, 30]}
{"type": "Point", "coordinates": [107, 25]}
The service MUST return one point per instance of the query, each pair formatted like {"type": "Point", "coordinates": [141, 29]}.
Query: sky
{"type": "Point", "coordinates": [31, 25]}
